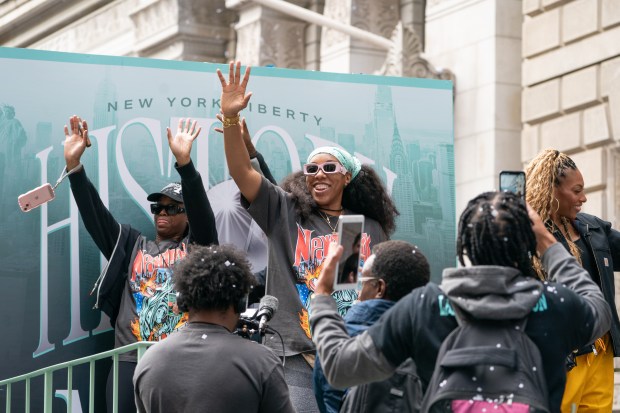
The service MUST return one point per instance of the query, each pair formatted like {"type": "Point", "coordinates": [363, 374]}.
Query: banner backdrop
{"type": "Point", "coordinates": [401, 126]}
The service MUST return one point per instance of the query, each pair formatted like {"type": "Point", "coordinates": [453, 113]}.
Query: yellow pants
{"type": "Point", "coordinates": [590, 385]}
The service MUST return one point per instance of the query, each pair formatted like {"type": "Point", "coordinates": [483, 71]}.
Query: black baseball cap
{"type": "Point", "coordinates": [173, 191]}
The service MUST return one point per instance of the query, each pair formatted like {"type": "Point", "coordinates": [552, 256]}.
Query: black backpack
{"type": "Point", "coordinates": [402, 392]}
{"type": "Point", "coordinates": [487, 363]}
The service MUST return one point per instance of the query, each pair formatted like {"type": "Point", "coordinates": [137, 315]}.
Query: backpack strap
{"type": "Point", "coordinates": [475, 356]}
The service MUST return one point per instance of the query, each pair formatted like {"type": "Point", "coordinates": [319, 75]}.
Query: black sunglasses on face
{"type": "Point", "coordinates": [171, 209]}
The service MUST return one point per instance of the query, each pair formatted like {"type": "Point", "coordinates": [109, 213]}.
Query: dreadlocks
{"type": "Point", "coordinates": [543, 174]}
{"type": "Point", "coordinates": [495, 229]}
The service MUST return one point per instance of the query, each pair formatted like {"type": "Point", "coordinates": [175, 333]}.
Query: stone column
{"type": "Point", "coordinates": [266, 37]}
{"type": "Point", "coordinates": [413, 14]}
{"type": "Point", "coordinates": [480, 41]}
{"type": "Point", "coordinates": [183, 30]}
{"type": "Point", "coordinates": [313, 38]}
{"type": "Point", "coordinates": [341, 53]}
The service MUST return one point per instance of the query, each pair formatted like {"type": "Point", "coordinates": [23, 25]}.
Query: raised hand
{"type": "Point", "coordinates": [76, 141]}
{"type": "Point", "coordinates": [181, 143]}
{"type": "Point", "coordinates": [234, 98]}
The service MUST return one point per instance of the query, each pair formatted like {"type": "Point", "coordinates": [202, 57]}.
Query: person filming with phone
{"type": "Point", "coordinates": [390, 273]}
{"type": "Point", "coordinates": [135, 287]}
{"type": "Point", "coordinates": [204, 367]}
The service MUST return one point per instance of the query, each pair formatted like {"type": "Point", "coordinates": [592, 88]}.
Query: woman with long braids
{"type": "Point", "coordinates": [555, 189]}
{"type": "Point", "coordinates": [300, 225]}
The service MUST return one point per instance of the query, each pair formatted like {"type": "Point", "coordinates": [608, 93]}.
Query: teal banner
{"type": "Point", "coordinates": [403, 127]}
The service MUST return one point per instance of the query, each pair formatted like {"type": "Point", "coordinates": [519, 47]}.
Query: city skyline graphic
{"type": "Point", "coordinates": [402, 127]}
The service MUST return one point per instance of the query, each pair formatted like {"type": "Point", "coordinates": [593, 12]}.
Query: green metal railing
{"type": "Point", "coordinates": [47, 374]}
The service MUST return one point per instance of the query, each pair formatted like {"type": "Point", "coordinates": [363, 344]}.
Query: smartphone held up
{"type": "Point", "coordinates": [512, 181]}
{"type": "Point", "coordinates": [350, 230]}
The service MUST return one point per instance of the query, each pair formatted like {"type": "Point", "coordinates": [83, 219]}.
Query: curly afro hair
{"type": "Point", "coordinates": [402, 266]}
{"type": "Point", "coordinates": [365, 195]}
{"type": "Point", "coordinates": [212, 278]}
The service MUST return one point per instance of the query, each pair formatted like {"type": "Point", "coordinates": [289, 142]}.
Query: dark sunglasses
{"type": "Point", "coordinates": [326, 167]}
{"type": "Point", "coordinates": [171, 209]}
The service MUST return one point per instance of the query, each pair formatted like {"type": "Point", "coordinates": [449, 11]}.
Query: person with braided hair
{"type": "Point", "coordinates": [497, 235]}
{"type": "Point", "coordinates": [555, 189]}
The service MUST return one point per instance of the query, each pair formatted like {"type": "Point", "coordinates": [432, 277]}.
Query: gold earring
{"type": "Point", "coordinates": [558, 207]}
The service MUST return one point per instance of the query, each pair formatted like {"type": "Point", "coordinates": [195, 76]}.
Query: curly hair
{"type": "Point", "coordinates": [544, 173]}
{"type": "Point", "coordinates": [402, 266]}
{"type": "Point", "coordinates": [212, 278]}
{"type": "Point", "coordinates": [364, 195]}
{"type": "Point", "coordinates": [495, 229]}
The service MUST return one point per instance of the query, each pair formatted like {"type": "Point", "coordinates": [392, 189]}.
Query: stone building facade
{"type": "Point", "coordinates": [529, 74]}
{"type": "Point", "coordinates": [571, 86]}
{"type": "Point", "coordinates": [571, 96]}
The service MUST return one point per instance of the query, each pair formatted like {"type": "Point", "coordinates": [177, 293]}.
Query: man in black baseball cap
{"type": "Point", "coordinates": [173, 191]}
{"type": "Point", "coordinates": [169, 212]}
{"type": "Point", "coordinates": [136, 289]}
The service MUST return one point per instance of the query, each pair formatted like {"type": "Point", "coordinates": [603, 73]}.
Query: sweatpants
{"type": "Point", "coordinates": [590, 384]}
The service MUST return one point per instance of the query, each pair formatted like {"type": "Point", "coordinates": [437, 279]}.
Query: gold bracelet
{"type": "Point", "coordinates": [228, 122]}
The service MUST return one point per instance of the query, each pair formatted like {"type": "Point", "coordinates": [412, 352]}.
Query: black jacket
{"type": "Point", "coordinates": [604, 244]}
{"type": "Point", "coordinates": [117, 242]}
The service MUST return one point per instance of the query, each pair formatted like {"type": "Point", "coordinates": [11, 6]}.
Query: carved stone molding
{"type": "Point", "coordinates": [268, 37]}
{"type": "Point", "coordinates": [405, 57]}
{"type": "Point", "coordinates": [378, 17]}
{"type": "Point", "coordinates": [248, 43]}
{"type": "Point", "coordinates": [106, 25]}
{"type": "Point", "coordinates": [339, 10]}
{"type": "Point", "coordinates": [165, 27]}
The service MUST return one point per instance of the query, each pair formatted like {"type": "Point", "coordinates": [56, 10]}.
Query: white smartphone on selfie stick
{"type": "Point", "coordinates": [350, 230]}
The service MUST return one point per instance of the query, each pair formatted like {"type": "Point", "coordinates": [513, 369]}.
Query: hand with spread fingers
{"type": "Point", "coordinates": [76, 142]}
{"type": "Point", "coordinates": [181, 143]}
{"type": "Point", "coordinates": [234, 99]}
{"type": "Point", "coordinates": [325, 284]}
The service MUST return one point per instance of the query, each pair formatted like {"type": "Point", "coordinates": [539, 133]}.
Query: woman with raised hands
{"type": "Point", "coordinates": [300, 218]}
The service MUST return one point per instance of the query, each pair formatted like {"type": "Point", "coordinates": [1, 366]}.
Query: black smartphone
{"type": "Point", "coordinates": [512, 181]}
{"type": "Point", "coordinates": [350, 230]}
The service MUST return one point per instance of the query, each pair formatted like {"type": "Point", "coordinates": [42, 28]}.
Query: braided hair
{"type": "Point", "coordinates": [495, 229]}
{"type": "Point", "coordinates": [544, 173]}
{"type": "Point", "coordinates": [364, 195]}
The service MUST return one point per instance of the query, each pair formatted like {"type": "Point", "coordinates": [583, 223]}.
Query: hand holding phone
{"type": "Point", "coordinates": [36, 197]}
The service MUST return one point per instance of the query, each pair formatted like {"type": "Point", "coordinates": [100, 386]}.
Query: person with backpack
{"type": "Point", "coordinates": [393, 270]}
{"type": "Point", "coordinates": [498, 236]}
